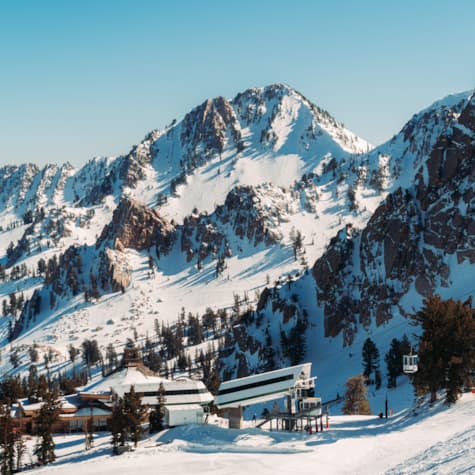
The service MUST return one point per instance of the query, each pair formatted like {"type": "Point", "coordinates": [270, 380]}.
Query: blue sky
{"type": "Point", "coordinates": [84, 78]}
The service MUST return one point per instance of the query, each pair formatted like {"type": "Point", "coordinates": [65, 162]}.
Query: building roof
{"type": "Point", "coordinates": [178, 391]}
{"type": "Point", "coordinates": [184, 407]}
{"type": "Point", "coordinates": [262, 387]}
{"type": "Point", "coordinates": [67, 404]}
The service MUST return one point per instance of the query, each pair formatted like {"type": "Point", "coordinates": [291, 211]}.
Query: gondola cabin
{"type": "Point", "coordinates": [409, 364]}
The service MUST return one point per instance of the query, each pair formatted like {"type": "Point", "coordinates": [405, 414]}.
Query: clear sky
{"type": "Point", "coordinates": [80, 78]}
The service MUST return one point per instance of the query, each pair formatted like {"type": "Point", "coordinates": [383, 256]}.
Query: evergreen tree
{"type": "Point", "coordinates": [153, 361]}
{"type": "Point", "coordinates": [209, 320]}
{"type": "Point", "coordinates": [73, 352]}
{"type": "Point", "coordinates": [157, 415]}
{"type": "Point", "coordinates": [393, 359]}
{"type": "Point", "coordinates": [182, 361]}
{"type": "Point", "coordinates": [446, 348]}
{"type": "Point", "coordinates": [370, 355]}
{"type": "Point", "coordinates": [33, 383]}
{"type": "Point", "coordinates": [355, 400]}
{"type": "Point", "coordinates": [43, 387]}
{"type": "Point", "coordinates": [297, 241]}
{"type": "Point", "coordinates": [47, 416]}
{"type": "Point", "coordinates": [214, 380]}
{"type": "Point", "coordinates": [111, 357]}
{"type": "Point", "coordinates": [11, 389]}
{"type": "Point", "coordinates": [90, 353]}
{"type": "Point", "coordinates": [268, 353]}
{"type": "Point", "coordinates": [134, 414]}
{"type": "Point", "coordinates": [118, 426]}
{"type": "Point", "coordinates": [7, 439]}
{"type": "Point", "coordinates": [14, 359]}
{"type": "Point", "coordinates": [33, 353]}
{"type": "Point", "coordinates": [294, 345]}
{"type": "Point", "coordinates": [195, 330]}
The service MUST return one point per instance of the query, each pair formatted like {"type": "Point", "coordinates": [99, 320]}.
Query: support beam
{"type": "Point", "coordinates": [235, 417]}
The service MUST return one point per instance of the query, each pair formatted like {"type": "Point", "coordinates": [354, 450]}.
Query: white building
{"type": "Point", "coordinates": [180, 391]}
{"type": "Point", "coordinates": [184, 398]}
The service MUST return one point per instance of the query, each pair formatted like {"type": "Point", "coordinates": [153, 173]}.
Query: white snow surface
{"type": "Point", "coordinates": [430, 440]}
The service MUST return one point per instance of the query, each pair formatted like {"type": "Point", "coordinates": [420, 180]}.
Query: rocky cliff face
{"type": "Point", "coordinates": [207, 129]}
{"type": "Point", "coordinates": [137, 227]}
{"type": "Point", "coordinates": [27, 188]}
{"type": "Point", "coordinates": [411, 241]}
{"type": "Point", "coordinates": [248, 217]}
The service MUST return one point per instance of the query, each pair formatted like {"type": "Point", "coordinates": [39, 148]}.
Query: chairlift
{"type": "Point", "coordinates": [409, 363]}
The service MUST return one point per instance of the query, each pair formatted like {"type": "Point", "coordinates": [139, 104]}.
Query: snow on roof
{"type": "Point", "coordinates": [183, 407]}
{"type": "Point", "coordinates": [130, 376]}
{"type": "Point", "coordinates": [121, 381]}
{"type": "Point", "coordinates": [66, 403]}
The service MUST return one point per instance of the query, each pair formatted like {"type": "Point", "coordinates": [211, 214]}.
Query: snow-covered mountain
{"type": "Point", "coordinates": [418, 241]}
{"type": "Point", "coordinates": [240, 198]}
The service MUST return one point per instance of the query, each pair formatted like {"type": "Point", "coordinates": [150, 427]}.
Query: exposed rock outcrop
{"type": "Point", "coordinates": [137, 227]}
{"type": "Point", "coordinates": [115, 265]}
{"type": "Point", "coordinates": [412, 239]}
{"type": "Point", "coordinates": [248, 216]}
{"type": "Point", "coordinates": [207, 129]}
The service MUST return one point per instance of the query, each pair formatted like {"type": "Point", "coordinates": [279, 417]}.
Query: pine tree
{"type": "Point", "coordinates": [355, 400]}
{"type": "Point", "coordinates": [294, 345]}
{"type": "Point", "coordinates": [370, 355]}
{"type": "Point", "coordinates": [446, 348]}
{"type": "Point", "coordinates": [268, 353]}
{"type": "Point", "coordinates": [73, 352]}
{"type": "Point", "coordinates": [393, 359]}
{"type": "Point", "coordinates": [33, 383]}
{"type": "Point", "coordinates": [33, 353]}
{"type": "Point", "coordinates": [214, 380]}
{"type": "Point", "coordinates": [47, 416]}
{"type": "Point", "coordinates": [90, 353]}
{"type": "Point", "coordinates": [134, 414]}
{"type": "Point", "coordinates": [118, 425]}
{"type": "Point", "coordinates": [157, 415]}
{"type": "Point", "coordinates": [111, 357]}
{"type": "Point", "coordinates": [11, 389]}
{"type": "Point", "coordinates": [7, 439]}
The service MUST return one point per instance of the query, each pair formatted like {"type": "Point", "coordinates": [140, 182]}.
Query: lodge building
{"type": "Point", "coordinates": [186, 400]}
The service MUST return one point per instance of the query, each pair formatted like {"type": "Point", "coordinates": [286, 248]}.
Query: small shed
{"type": "Point", "coordinates": [182, 414]}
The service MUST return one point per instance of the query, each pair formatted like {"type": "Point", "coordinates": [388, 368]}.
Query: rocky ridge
{"type": "Point", "coordinates": [410, 241]}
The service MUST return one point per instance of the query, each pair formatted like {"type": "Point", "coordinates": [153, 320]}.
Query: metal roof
{"type": "Point", "coordinates": [261, 387]}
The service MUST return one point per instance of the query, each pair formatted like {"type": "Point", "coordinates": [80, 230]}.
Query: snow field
{"type": "Point", "coordinates": [436, 440]}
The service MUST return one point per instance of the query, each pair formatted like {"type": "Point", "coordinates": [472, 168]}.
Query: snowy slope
{"type": "Point", "coordinates": [267, 163]}
{"type": "Point", "coordinates": [438, 440]}
{"type": "Point", "coordinates": [265, 138]}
